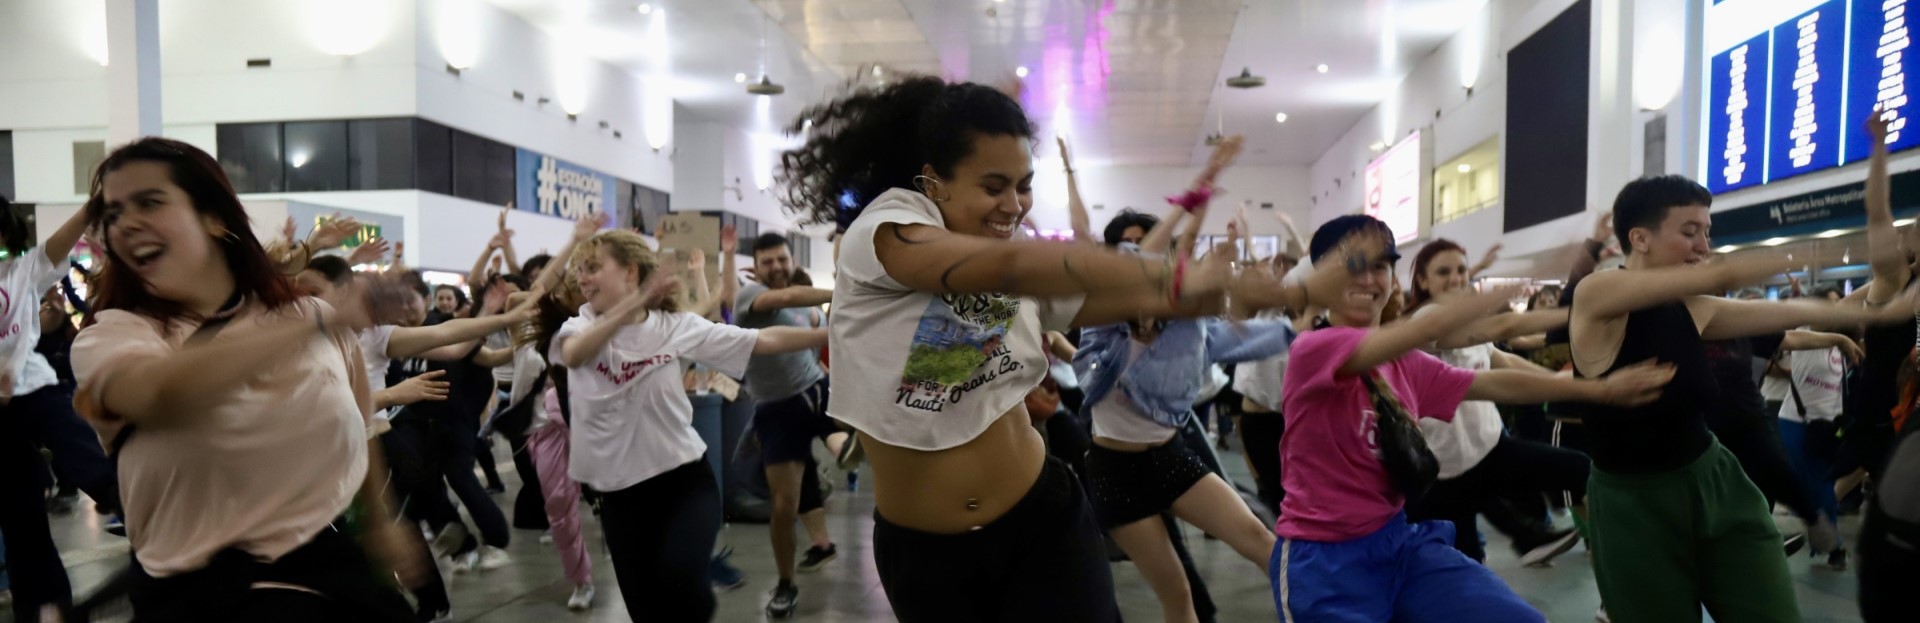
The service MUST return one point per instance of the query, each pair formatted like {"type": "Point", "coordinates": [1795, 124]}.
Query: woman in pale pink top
{"type": "Point", "coordinates": [1346, 551]}
{"type": "Point", "coordinates": [237, 409]}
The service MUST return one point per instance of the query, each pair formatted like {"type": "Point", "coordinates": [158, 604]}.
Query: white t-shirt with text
{"type": "Point", "coordinates": [22, 282]}
{"type": "Point", "coordinates": [631, 417]}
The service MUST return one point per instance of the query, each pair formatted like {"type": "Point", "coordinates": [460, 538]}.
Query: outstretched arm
{"type": "Point", "coordinates": [1634, 385]}
{"type": "Point", "coordinates": [1616, 293]}
{"type": "Point", "coordinates": [777, 340]}
{"type": "Point", "coordinates": [1721, 318]}
{"type": "Point", "coordinates": [1502, 327]}
{"type": "Point", "coordinates": [1389, 342]}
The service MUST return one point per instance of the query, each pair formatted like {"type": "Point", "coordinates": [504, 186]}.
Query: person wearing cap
{"type": "Point", "coordinates": [1346, 551]}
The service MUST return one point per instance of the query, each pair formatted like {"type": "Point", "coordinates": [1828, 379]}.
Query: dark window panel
{"type": "Point", "coordinates": [500, 174]}
{"type": "Point", "coordinates": [380, 154]}
{"type": "Point", "coordinates": [316, 156]}
{"type": "Point", "coordinates": [1546, 170]}
{"type": "Point", "coordinates": [6, 165]}
{"type": "Point", "coordinates": [482, 169]}
{"type": "Point", "coordinates": [433, 157]}
{"type": "Point", "coordinates": [250, 154]}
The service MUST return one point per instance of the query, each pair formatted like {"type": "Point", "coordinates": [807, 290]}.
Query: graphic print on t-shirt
{"type": "Point", "coordinates": [954, 348]}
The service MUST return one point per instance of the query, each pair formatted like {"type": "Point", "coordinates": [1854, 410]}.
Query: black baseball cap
{"type": "Point", "coordinates": [1335, 231]}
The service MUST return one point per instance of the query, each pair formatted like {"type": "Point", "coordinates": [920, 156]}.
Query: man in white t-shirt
{"type": "Point", "coordinates": [1807, 429]}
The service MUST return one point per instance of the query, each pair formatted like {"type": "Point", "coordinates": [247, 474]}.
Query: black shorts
{"type": "Point", "coordinates": [786, 429]}
{"type": "Point", "coordinates": [1126, 487]}
{"type": "Point", "coordinates": [1043, 560]}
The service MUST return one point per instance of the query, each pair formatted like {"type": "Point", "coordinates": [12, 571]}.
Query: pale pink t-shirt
{"type": "Point", "coordinates": [1337, 489]}
{"type": "Point", "coordinates": [267, 468]}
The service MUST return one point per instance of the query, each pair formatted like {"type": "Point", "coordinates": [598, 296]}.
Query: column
{"type": "Point", "coordinates": [133, 70]}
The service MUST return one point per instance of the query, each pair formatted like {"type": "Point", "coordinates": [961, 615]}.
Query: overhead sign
{"type": "Point", "coordinates": [1393, 188]}
{"type": "Point", "coordinates": [1790, 84]}
{"type": "Point", "coordinates": [1840, 207]}
{"type": "Point", "coordinates": [553, 187]}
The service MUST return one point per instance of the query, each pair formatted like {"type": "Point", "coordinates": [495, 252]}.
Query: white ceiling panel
{"type": "Point", "coordinates": [1132, 82]}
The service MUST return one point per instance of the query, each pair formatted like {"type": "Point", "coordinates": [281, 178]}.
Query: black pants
{"type": "Point", "coordinates": [423, 452]}
{"type": "Point", "coordinates": [1755, 441]}
{"type": "Point", "coordinates": [78, 460]}
{"type": "Point", "coordinates": [39, 578]}
{"type": "Point", "coordinates": [1041, 561]}
{"type": "Point", "coordinates": [529, 504]}
{"type": "Point", "coordinates": [331, 564]}
{"type": "Point", "coordinates": [660, 534]}
{"type": "Point", "coordinates": [1511, 467]}
{"type": "Point", "coordinates": [483, 456]}
{"type": "Point", "coordinates": [1260, 439]}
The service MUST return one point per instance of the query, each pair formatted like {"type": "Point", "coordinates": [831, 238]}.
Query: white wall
{"type": "Point", "coordinates": [1452, 120]}
{"type": "Point", "coordinates": [514, 55]}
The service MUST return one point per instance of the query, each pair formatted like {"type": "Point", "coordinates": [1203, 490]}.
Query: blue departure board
{"type": "Point", "coordinates": [1790, 84]}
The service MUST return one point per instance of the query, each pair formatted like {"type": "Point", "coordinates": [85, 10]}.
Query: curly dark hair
{"type": "Point", "coordinates": [878, 137]}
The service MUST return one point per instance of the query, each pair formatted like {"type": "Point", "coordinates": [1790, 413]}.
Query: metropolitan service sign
{"type": "Point", "coordinates": [553, 187]}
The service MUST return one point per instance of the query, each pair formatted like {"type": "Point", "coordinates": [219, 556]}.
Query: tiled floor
{"type": "Point", "coordinates": [532, 589]}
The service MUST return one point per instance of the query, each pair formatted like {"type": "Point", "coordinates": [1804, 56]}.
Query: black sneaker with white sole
{"type": "Point", "coordinates": [1793, 544]}
{"type": "Point", "coordinates": [817, 557]}
{"type": "Point", "coordinates": [786, 598]}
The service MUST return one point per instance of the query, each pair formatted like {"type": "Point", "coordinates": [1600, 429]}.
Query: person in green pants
{"type": "Point", "coordinates": [1674, 522]}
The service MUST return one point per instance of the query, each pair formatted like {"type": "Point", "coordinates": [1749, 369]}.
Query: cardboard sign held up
{"type": "Point", "coordinates": [682, 232]}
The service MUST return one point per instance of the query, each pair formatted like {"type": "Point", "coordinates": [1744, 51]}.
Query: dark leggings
{"type": "Point", "coordinates": [1260, 439]}
{"type": "Point", "coordinates": [78, 460]}
{"type": "Point", "coordinates": [1513, 466]}
{"type": "Point", "coordinates": [1755, 441]}
{"type": "Point", "coordinates": [1041, 561]}
{"type": "Point", "coordinates": [39, 578]}
{"type": "Point", "coordinates": [660, 534]}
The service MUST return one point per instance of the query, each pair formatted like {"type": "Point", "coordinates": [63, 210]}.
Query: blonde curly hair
{"type": "Point", "coordinates": [628, 250]}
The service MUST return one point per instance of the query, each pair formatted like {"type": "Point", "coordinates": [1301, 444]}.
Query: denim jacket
{"type": "Point", "coordinates": [1171, 372]}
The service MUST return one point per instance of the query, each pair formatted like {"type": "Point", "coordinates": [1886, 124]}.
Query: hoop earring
{"type": "Point", "coordinates": [920, 183]}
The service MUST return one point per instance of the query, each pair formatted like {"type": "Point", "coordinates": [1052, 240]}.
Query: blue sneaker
{"type": "Point", "coordinates": [725, 576]}
{"type": "Point", "coordinates": [114, 525]}
{"type": "Point", "coordinates": [853, 481]}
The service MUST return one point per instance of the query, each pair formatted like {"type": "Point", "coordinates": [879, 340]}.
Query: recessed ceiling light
{"type": "Point", "coordinates": [1464, 168]}
{"type": "Point", "coordinates": [1020, 71]}
{"type": "Point", "coordinates": [1377, 146]}
{"type": "Point", "coordinates": [644, 9]}
{"type": "Point", "coordinates": [1279, 117]}
{"type": "Point", "coordinates": [1322, 68]}
{"type": "Point", "coordinates": [1903, 222]}
{"type": "Point", "coordinates": [1726, 249]}
{"type": "Point", "coordinates": [876, 71]}
{"type": "Point", "coordinates": [739, 78]}
{"type": "Point", "coordinates": [1832, 233]}
{"type": "Point", "coordinates": [1774, 242]}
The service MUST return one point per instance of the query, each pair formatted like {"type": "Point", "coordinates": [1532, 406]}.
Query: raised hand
{"type": "Point", "coordinates": [1637, 384]}
{"type": "Point", "coordinates": [1223, 156]}
{"type": "Point", "coordinates": [503, 215]}
{"type": "Point", "coordinates": [1603, 227]}
{"type": "Point", "coordinates": [399, 255]}
{"type": "Point", "coordinates": [369, 252]}
{"type": "Point", "coordinates": [1878, 126]}
{"type": "Point", "coordinates": [589, 225]}
{"type": "Point", "coordinates": [729, 240]}
{"type": "Point", "coordinates": [332, 232]}
{"type": "Point", "coordinates": [697, 260]}
{"type": "Point", "coordinates": [286, 232]}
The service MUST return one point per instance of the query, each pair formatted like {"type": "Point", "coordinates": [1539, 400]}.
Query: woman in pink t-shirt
{"type": "Point", "coordinates": [1346, 550]}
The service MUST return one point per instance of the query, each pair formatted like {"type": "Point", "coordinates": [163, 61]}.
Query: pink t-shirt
{"type": "Point", "coordinates": [1336, 487]}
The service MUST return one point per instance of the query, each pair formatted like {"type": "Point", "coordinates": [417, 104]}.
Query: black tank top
{"type": "Point", "coordinates": [1672, 431]}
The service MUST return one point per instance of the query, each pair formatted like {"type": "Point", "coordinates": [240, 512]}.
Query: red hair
{"type": "Point", "coordinates": [1418, 295]}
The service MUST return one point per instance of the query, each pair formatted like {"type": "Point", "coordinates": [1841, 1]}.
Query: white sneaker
{"type": "Point", "coordinates": [546, 538]}
{"type": "Point", "coordinates": [449, 538]}
{"type": "Point", "coordinates": [582, 597]}
{"type": "Point", "coordinates": [464, 563]}
{"type": "Point", "coordinates": [493, 558]}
